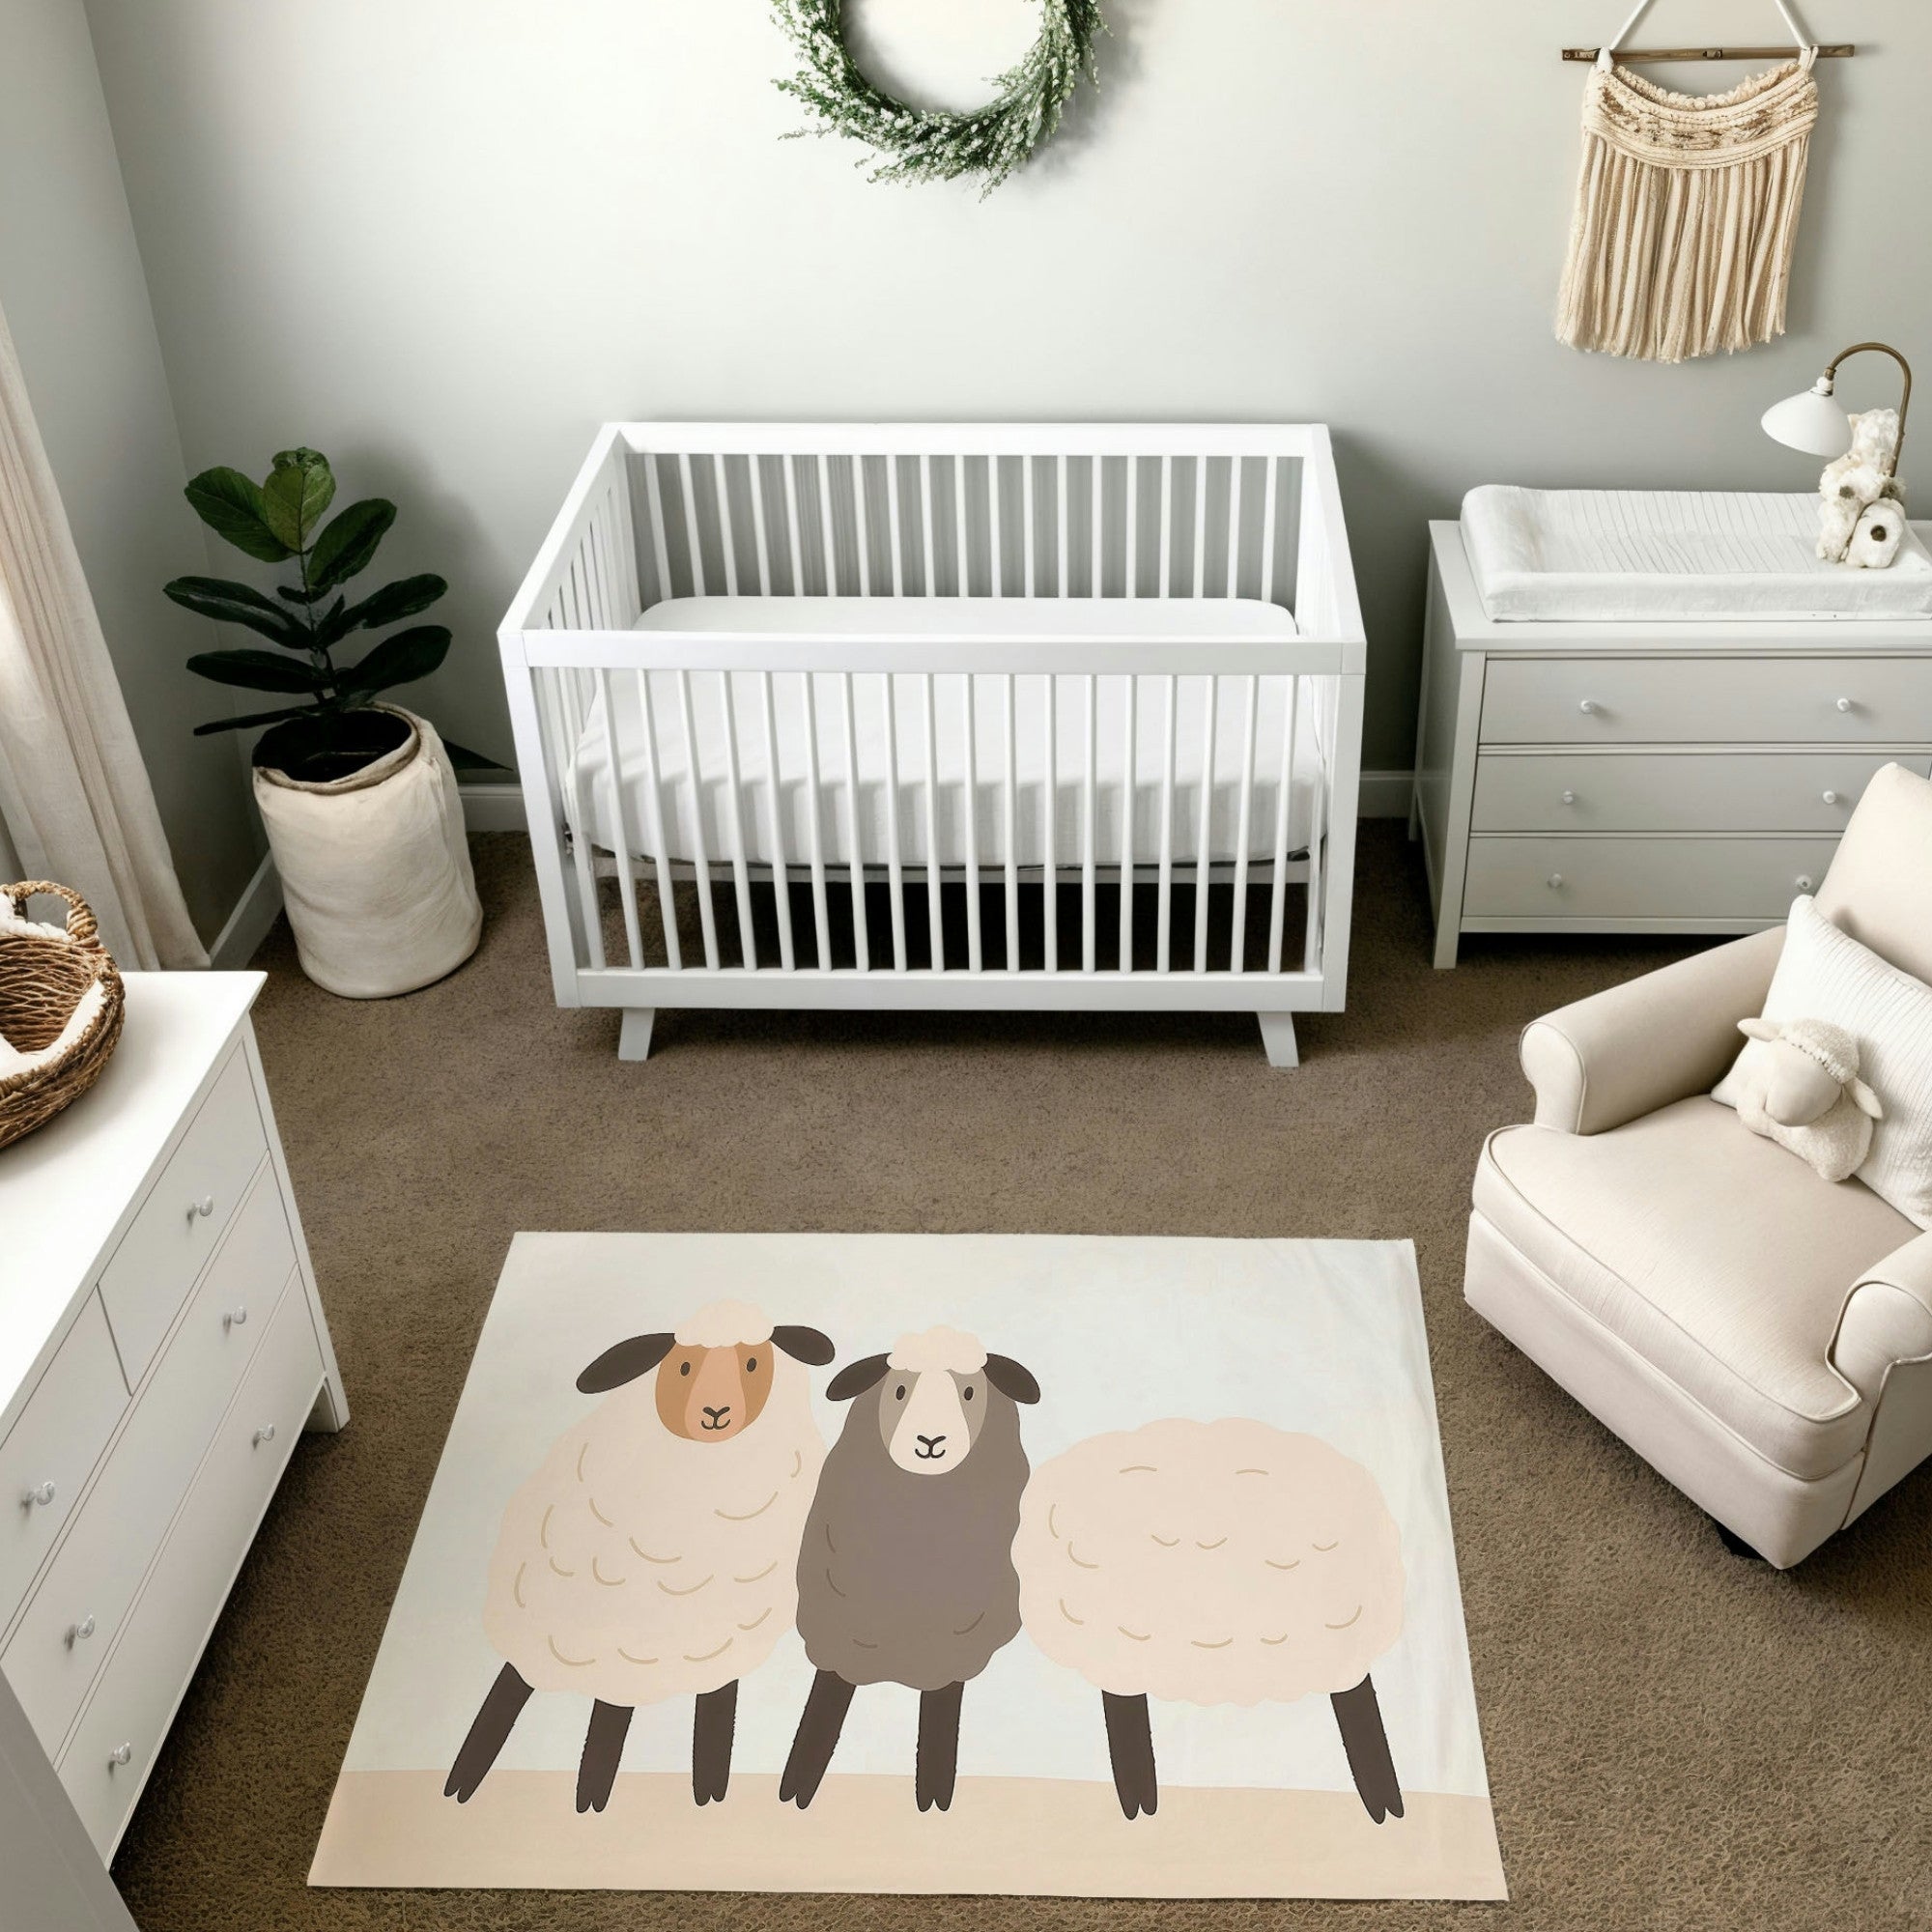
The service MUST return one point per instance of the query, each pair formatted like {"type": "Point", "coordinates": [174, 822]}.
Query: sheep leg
{"type": "Point", "coordinates": [1367, 1744]}
{"type": "Point", "coordinates": [489, 1732]}
{"type": "Point", "coordinates": [603, 1748]}
{"type": "Point", "coordinates": [817, 1738]}
{"type": "Point", "coordinates": [712, 1728]}
{"type": "Point", "coordinates": [938, 1759]}
{"type": "Point", "coordinates": [1131, 1746]}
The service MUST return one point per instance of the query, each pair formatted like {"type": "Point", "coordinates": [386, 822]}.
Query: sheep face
{"type": "Point", "coordinates": [704, 1394]}
{"type": "Point", "coordinates": [934, 1393]}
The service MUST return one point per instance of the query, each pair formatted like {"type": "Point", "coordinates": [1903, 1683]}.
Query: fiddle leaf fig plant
{"type": "Point", "coordinates": [335, 730]}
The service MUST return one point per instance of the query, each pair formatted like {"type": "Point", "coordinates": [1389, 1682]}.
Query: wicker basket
{"type": "Point", "coordinates": [42, 979]}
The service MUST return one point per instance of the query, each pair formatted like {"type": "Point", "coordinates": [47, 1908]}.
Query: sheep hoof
{"type": "Point", "coordinates": [816, 1739]}
{"type": "Point", "coordinates": [1359, 1719]}
{"type": "Point", "coordinates": [1131, 1749]}
{"type": "Point", "coordinates": [489, 1732]}
{"type": "Point", "coordinates": [937, 1762]}
{"type": "Point", "coordinates": [713, 1727]}
{"type": "Point", "coordinates": [602, 1750]}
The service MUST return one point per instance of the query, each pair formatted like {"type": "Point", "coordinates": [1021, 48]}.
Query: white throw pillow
{"type": "Point", "coordinates": [1826, 974]}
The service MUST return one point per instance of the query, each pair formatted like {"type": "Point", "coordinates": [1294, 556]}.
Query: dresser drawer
{"type": "Point", "coordinates": [113, 1747]}
{"type": "Point", "coordinates": [52, 1449]}
{"type": "Point", "coordinates": [1715, 879]}
{"type": "Point", "coordinates": [1673, 791]}
{"type": "Point", "coordinates": [1711, 701]}
{"type": "Point", "coordinates": [179, 1223]}
{"type": "Point", "coordinates": [75, 1613]}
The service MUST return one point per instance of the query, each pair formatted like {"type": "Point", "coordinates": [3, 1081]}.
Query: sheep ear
{"type": "Point", "coordinates": [804, 1345]}
{"type": "Point", "coordinates": [1863, 1098]}
{"type": "Point", "coordinates": [1011, 1380]}
{"type": "Point", "coordinates": [856, 1378]}
{"type": "Point", "coordinates": [625, 1363]}
{"type": "Point", "coordinates": [1757, 1029]}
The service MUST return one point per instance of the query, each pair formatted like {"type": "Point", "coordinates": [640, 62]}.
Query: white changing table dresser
{"type": "Point", "coordinates": [161, 1346]}
{"type": "Point", "coordinates": [1690, 776]}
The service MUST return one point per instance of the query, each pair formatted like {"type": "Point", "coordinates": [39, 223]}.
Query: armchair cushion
{"type": "Point", "coordinates": [1716, 1255]}
{"type": "Point", "coordinates": [1879, 885]}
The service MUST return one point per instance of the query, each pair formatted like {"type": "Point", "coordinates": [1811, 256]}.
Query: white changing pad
{"type": "Point", "coordinates": [1659, 554]}
{"type": "Point", "coordinates": [588, 798]}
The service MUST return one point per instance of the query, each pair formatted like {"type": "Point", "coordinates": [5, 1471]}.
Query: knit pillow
{"type": "Point", "coordinates": [1826, 974]}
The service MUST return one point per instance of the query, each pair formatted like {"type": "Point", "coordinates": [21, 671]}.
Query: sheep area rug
{"type": "Point", "coordinates": [921, 1563]}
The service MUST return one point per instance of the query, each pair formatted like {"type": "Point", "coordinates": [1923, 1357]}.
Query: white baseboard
{"type": "Point", "coordinates": [499, 808]}
{"type": "Point", "coordinates": [255, 912]}
{"type": "Point", "coordinates": [1386, 794]}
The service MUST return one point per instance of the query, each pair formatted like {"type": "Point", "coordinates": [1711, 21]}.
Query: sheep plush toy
{"type": "Point", "coordinates": [1862, 520]}
{"type": "Point", "coordinates": [1804, 1092]}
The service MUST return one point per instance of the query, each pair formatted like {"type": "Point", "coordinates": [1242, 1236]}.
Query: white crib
{"type": "Point", "coordinates": [921, 716]}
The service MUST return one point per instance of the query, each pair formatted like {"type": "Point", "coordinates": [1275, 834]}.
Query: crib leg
{"type": "Point", "coordinates": [1278, 1038]}
{"type": "Point", "coordinates": [633, 1037]}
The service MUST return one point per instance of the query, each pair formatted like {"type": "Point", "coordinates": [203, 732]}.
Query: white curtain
{"type": "Point", "coordinates": [74, 793]}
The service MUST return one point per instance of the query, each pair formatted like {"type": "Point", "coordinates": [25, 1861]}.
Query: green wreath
{"type": "Point", "coordinates": [916, 145]}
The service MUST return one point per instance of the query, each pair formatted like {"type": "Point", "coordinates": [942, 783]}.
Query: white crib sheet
{"type": "Point", "coordinates": [588, 799]}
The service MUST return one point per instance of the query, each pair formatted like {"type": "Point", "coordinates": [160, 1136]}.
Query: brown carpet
{"type": "Point", "coordinates": [1675, 1738]}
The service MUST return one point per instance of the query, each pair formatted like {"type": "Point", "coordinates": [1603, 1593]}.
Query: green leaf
{"type": "Point", "coordinates": [349, 543]}
{"type": "Point", "coordinates": [232, 507]}
{"type": "Point", "coordinates": [403, 598]}
{"type": "Point", "coordinates": [229, 602]}
{"type": "Point", "coordinates": [331, 626]}
{"type": "Point", "coordinates": [399, 660]}
{"type": "Point", "coordinates": [295, 594]}
{"type": "Point", "coordinates": [300, 489]}
{"type": "Point", "coordinates": [214, 725]}
{"type": "Point", "coordinates": [258, 670]}
{"type": "Point", "coordinates": [464, 759]}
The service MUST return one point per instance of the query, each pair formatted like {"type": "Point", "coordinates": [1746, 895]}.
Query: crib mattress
{"type": "Point", "coordinates": [591, 798]}
{"type": "Point", "coordinates": [1663, 555]}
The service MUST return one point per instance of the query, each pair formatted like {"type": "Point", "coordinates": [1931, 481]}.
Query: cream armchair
{"type": "Point", "coordinates": [1761, 1337]}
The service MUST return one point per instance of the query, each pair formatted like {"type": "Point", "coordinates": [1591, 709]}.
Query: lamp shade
{"type": "Point", "coordinates": [1812, 422]}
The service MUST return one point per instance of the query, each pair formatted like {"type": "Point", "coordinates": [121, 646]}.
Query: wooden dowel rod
{"type": "Point", "coordinates": [1843, 50]}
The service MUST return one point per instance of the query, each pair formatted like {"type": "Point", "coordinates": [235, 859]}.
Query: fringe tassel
{"type": "Point", "coordinates": [1684, 228]}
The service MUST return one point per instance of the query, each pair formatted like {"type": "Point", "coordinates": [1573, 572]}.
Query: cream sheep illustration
{"type": "Point", "coordinates": [1800, 1087]}
{"type": "Point", "coordinates": [1221, 1562]}
{"type": "Point", "coordinates": [653, 1554]}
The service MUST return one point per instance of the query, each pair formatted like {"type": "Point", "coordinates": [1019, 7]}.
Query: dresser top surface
{"type": "Point", "coordinates": [69, 1188]}
{"type": "Point", "coordinates": [1843, 637]}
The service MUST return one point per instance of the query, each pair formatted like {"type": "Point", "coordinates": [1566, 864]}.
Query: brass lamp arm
{"type": "Point", "coordinates": [1904, 401]}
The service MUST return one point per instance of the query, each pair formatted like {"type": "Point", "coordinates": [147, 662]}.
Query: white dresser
{"type": "Point", "coordinates": [161, 1347]}
{"type": "Point", "coordinates": [1689, 777]}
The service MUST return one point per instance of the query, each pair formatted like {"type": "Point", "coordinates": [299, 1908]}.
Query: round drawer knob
{"type": "Point", "coordinates": [266, 1434]}
{"type": "Point", "coordinates": [1844, 704]}
{"type": "Point", "coordinates": [1589, 707]}
{"type": "Point", "coordinates": [79, 1633]}
{"type": "Point", "coordinates": [1569, 798]}
{"type": "Point", "coordinates": [1830, 798]}
{"type": "Point", "coordinates": [1555, 881]}
{"type": "Point", "coordinates": [1803, 882]}
{"type": "Point", "coordinates": [120, 1754]}
{"type": "Point", "coordinates": [43, 1496]}
{"type": "Point", "coordinates": [234, 1318]}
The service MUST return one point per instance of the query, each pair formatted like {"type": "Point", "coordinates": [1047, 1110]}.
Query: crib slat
{"type": "Point", "coordinates": [1198, 585]}
{"type": "Point", "coordinates": [815, 803]}
{"type": "Point", "coordinates": [708, 917]}
{"type": "Point", "coordinates": [1166, 532]}
{"type": "Point", "coordinates": [1205, 828]}
{"type": "Point", "coordinates": [892, 520]}
{"type": "Point", "coordinates": [825, 525]}
{"type": "Point", "coordinates": [1311, 953]}
{"type": "Point", "coordinates": [627, 886]}
{"type": "Point", "coordinates": [720, 481]}
{"type": "Point", "coordinates": [654, 794]}
{"type": "Point", "coordinates": [928, 518]}
{"type": "Point", "coordinates": [1278, 903]}
{"type": "Point", "coordinates": [775, 794]}
{"type": "Point", "coordinates": [660, 549]}
{"type": "Point", "coordinates": [1163, 928]}
{"type": "Point", "coordinates": [1090, 683]}
{"type": "Point", "coordinates": [862, 520]}
{"type": "Point", "coordinates": [1236, 466]}
{"type": "Point", "coordinates": [1049, 807]}
{"type": "Point", "coordinates": [1097, 468]}
{"type": "Point", "coordinates": [1267, 541]}
{"type": "Point", "coordinates": [1010, 789]}
{"type": "Point", "coordinates": [895, 871]}
{"type": "Point", "coordinates": [973, 962]}
{"type": "Point", "coordinates": [934, 910]}
{"type": "Point", "coordinates": [1129, 777]}
{"type": "Point", "coordinates": [788, 471]}
{"type": "Point", "coordinates": [1131, 543]}
{"type": "Point", "coordinates": [586, 881]}
{"type": "Point", "coordinates": [996, 517]}
{"type": "Point", "coordinates": [741, 871]}
{"type": "Point", "coordinates": [1061, 586]}
{"type": "Point", "coordinates": [1026, 524]}
{"type": "Point", "coordinates": [758, 534]}
{"type": "Point", "coordinates": [688, 500]}
{"type": "Point", "coordinates": [959, 519]}
{"type": "Point", "coordinates": [1237, 949]}
{"type": "Point", "coordinates": [855, 872]}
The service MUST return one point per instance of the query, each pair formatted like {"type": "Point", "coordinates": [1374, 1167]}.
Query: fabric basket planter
{"type": "Point", "coordinates": [375, 870]}
{"type": "Point", "coordinates": [61, 1004]}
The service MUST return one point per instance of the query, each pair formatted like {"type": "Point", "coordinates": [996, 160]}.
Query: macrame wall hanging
{"type": "Point", "coordinates": [1687, 206]}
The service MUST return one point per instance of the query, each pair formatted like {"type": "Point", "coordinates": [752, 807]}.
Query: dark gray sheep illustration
{"type": "Point", "coordinates": [905, 1570]}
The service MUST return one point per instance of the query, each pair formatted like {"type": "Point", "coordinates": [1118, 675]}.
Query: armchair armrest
{"type": "Point", "coordinates": [1633, 1048]}
{"type": "Point", "coordinates": [1887, 1317]}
